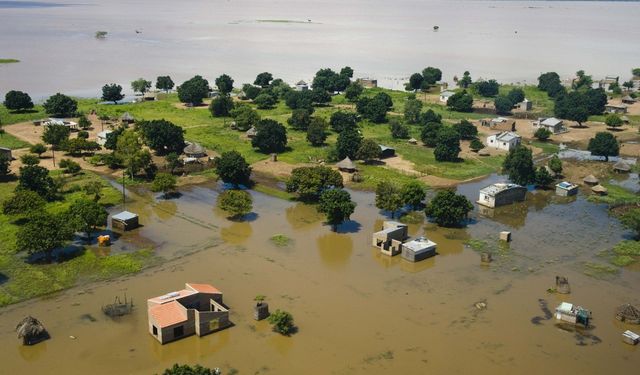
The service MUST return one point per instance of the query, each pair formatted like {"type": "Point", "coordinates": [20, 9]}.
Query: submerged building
{"type": "Point", "coordinates": [501, 194]}
{"type": "Point", "coordinates": [391, 242]}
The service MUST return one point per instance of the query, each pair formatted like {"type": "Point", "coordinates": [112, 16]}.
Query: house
{"type": "Point", "coordinates": [566, 189]}
{"type": "Point", "coordinates": [196, 309]}
{"type": "Point", "coordinates": [552, 124]}
{"type": "Point", "coordinates": [126, 118]}
{"type": "Point", "coordinates": [621, 167]}
{"type": "Point", "coordinates": [567, 312]}
{"type": "Point", "coordinates": [368, 83]}
{"type": "Point", "coordinates": [445, 95]}
{"type": "Point", "coordinates": [599, 190]}
{"type": "Point", "coordinates": [251, 132]}
{"type": "Point", "coordinates": [591, 180]}
{"type": "Point", "coordinates": [607, 82]}
{"type": "Point", "coordinates": [504, 140]}
{"type": "Point", "coordinates": [418, 249]}
{"type": "Point", "coordinates": [615, 108]}
{"type": "Point", "coordinates": [390, 238]}
{"type": "Point", "coordinates": [628, 100]}
{"type": "Point", "coordinates": [491, 122]}
{"type": "Point", "coordinates": [194, 150]}
{"type": "Point", "coordinates": [387, 152]}
{"type": "Point", "coordinates": [101, 137]}
{"type": "Point", "coordinates": [302, 86]}
{"type": "Point", "coordinates": [124, 221]}
{"type": "Point", "coordinates": [501, 194]}
{"type": "Point", "coordinates": [6, 152]}
{"type": "Point", "coordinates": [525, 105]}
{"type": "Point", "coordinates": [630, 337]}
{"type": "Point", "coordinates": [347, 165]}
{"type": "Point", "coordinates": [58, 121]}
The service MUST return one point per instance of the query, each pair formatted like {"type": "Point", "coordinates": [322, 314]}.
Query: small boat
{"type": "Point", "coordinates": [436, 27]}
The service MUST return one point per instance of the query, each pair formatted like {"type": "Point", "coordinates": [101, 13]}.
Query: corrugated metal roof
{"type": "Point", "coordinates": [124, 216]}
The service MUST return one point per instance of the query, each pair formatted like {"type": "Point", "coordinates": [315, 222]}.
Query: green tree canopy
{"type": "Point", "coordinates": [299, 99]}
{"type": "Point", "coordinates": [265, 101]}
{"type": "Point", "coordinates": [476, 145]}
{"type": "Point", "coordinates": [353, 91]}
{"type": "Point", "coordinates": [162, 136]}
{"type": "Point", "coordinates": [236, 203]}
{"type": "Point", "coordinates": [43, 233]}
{"type": "Point", "coordinates": [430, 116]}
{"type": "Point", "coordinates": [263, 79]}
{"type": "Point", "coordinates": [112, 93]}
{"type": "Point", "coordinates": [465, 82]}
{"type": "Point", "coordinates": [429, 134]}
{"type": "Point", "coordinates": [23, 202]}
{"type": "Point", "coordinates": [466, 130]}
{"type": "Point", "coordinates": [245, 117]}
{"type": "Point", "coordinates": [232, 168]}
{"type": "Point", "coordinates": [431, 75]}
{"type": "Point", "coordinates": [631, 220]}
{"type": "Point", "coordinates": [251, 91]}
{"type": "Point", "coordinates": [193, 90]}
{"type": "Point", "coordinates": [17, 101]}
{"type": "Point", "coordinates": [177, 369]}
{"type": "Point", "coordinates": [36, 178]}
{"type": "Point", "coordinates": [271, 136]}
{"type": "Point", "coordinates": [604, 144]}
{"type": "Point", "coordinates": [503, 105]}
{"type": "Point", "coordinates": [29, 159]}
{"type": "Point", "coordinates": [398, 129]}
{"type": "Point", "coordinates": [310, 182]}
{"type": "Point", "coordinates": [413, 194]}
{"type": "Point", "coordinates": [165, 183]}
{"type": "Point", "coordinates": [220, 106]}
{"type": "Point", "coordinates": [368, 151]}
{"type": "Point", "coordinates": [86, 215]}
{"type": "Point", "coordinates": [460, 102]}
{"type": "Point", "coordinates": [317, 131]}
{"type": "Point", "coordinates": [337, 205]}
{"type": "Point", "coordinates": [38, 148]}
{"type": "Point", "coordinates": [613, 120]}
{"type": "Point", "coordinates": [448, 209]}
{"type": "Point", "coordinates": [412, 109]}
{"type": "Point", "coordinates": [140, 85]}
{"type": "Point", "coordinates": [543, 178]}
{"type": "Point", "coordinates": [447, 144]}
{"type": "Point", "coordinates": [69, 166]}
{"type": "Point", "coordinates": [164, 83]}
{"type": "Point", "coordinates": [348, 143]}
{"type": "Point", "coordinates": [487, 88]}
{"type": "Point", "coordinates": [555, 164]}
{"type": "Point", "coordinates": [550, 83]}
{"type": "Point", "coordinates": [542, 134]}
{"type": "Point", "coordinates": [516, 95]}
{"type": "Point", "coordinates": [5, 162]}
{"type": "Point", "coordinates": [518, 165]}
{"type": "Point", "coordinates": [224, 84]}
{"type": "Point", "coordinates": [342, 120]}
{"type": "Point", "coordinates": [60, 105]}
{"type": "Point", "coordinates": [415, 82]}
{"type": "Point", "coordinates": [388, 197]}
{"type": "Point", "coordinates": [374, 109]}
{"type": "Point", "coordinates": [282, 322]}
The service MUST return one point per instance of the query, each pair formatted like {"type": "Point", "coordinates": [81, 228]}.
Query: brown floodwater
{"type": "Point", "coordinates": [357, 311]}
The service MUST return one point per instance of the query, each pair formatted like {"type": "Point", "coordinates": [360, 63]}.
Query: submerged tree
{"type": "Point", "coordinates": [448, 209]}
{"type": "Point", "coordinates": [236, 203]}
{"type": "Point", "coordinates": [337, 205]}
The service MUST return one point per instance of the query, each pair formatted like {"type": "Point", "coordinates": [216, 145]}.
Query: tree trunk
{"type": "Point", "coordinates": [53, 155]}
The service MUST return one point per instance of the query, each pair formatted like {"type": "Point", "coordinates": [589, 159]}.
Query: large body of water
{"type": "Point", "coordinates": [513, 41]}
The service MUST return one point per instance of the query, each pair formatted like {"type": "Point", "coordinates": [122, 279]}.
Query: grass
{"type": "Point", "coordinates": [616, 196]}
{"type": "Point", "coordinates": [542, 104]}
{"type": "Point", "coordinates": [272, 191]}
{"type": "Point", "coordinates": [280, 240]}
{"type": "Point", "coordinates": [9, 141]}
{"type": "Point", "coordinates": [11, 117]}
{"type": "Point", "coordinates": [24, 280]}
{"type": "Point", "coordinates": [599, 270]}
{"type": "Point", "coordinates": [412, 217]}
{"type": "Point", "coordinates": [547, 147]}
{"type": "Point", "coordinates": [9, 61]}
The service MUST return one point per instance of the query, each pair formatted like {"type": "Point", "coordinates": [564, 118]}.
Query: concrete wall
{"type": "Point", "coordinates": [510, 196]}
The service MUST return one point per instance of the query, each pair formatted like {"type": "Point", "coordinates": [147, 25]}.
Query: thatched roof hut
{"type": "Point", "coordinates": [599, 189]}
{"type": "Point", "coordinates": [126, 117]}
{"type": "Point", "coordinates": [622, 167]}
{"type": "Point", "coordinates": [252, 132]}
{"type": "Point", "coordinates": [591, 180]}
{"type": "Point", "coordinates": [628, 313]}
{"type": "Point", "coordinates": [413, 141]}
{"type": "Point", "coordinates": [31, 331]}
{"type": "Point", "coordinates": [194, 150]}
{"type": "Point", "coordinates": [484, 152]}
{"type": "Point", "coordinates": [347, 165]}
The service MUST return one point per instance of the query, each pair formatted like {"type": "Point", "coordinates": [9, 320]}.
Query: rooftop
{"type": "Point", "coordinates": [566, 185]}
{"type": "Point", "coordinates": [507, 136]}
{"type": "Point", "coordinates": [203, 288]}
{"type": "Point", "coordinates": [498, 187]}
{"type": "Point", "coordinates": [124, 216]}
{"type": "Point", "coordinates": [172, 296]}
{"type": "Point", "coordinates": [168, 314]}
{"type": "Point", "coordinates": [447, 93]}
{"type": "Point", "coordinates": [419, 244]}
{"type": "Point", "coordinates": [551, 121]}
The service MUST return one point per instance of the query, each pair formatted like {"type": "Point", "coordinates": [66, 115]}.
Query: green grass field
{"type": "Point", "coordinates": [9, 141]}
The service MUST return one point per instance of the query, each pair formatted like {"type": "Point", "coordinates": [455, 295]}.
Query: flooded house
{"type": "Point", "coordinates": [501, 194]}
{"type": "Point", "coordinates": [591, 180]}
{"type": "Point", "coordinates": [196, 309]}
{"type": "Point", "coordinates": [621, 167]}
{"type": "Point", "coordinates": [525, 105]}
{"type": "Point", "coordinates": [347, 165]}
{"type": "Point", "coordinates": [390, 238]}
{"type": "Point", "coordinates": [419, 249]}
{"type": "Point", "coordinates": [124, 221]}
{"type": "Point", "coordinates": [570, 313]}
{"type": "Point", "coordinates": [59, 121]}
{"type": "Point", "coordinates": [101, 137]}
{"type": "Point", "coordinates": [552, 124]}
{"type": "Point", "coordinates": [566, 189]}
{"type": "Point", "coordinates": [628, 100]}
{"type": "Point", "coordinates": [251, 133]}
{"type": "Point", "coordinates": [194, 150]}
{"type": "Point", "coordinates": [126, 118]}
{"type": "Point", "coordinates": [504, 141]}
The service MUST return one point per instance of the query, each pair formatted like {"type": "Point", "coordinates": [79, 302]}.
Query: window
{"type": "Point", "coordinates": [178, 331]}
{"type": "Point", "coordinates": [155, 331]}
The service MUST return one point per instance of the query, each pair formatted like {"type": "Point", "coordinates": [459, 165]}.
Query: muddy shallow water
{"type": "Point", "coordinates": [357, 311]}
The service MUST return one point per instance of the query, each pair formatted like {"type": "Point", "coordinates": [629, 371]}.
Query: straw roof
{"type": "Point", "coordinates": [621, 166]}
{"type": "Point", "coordinates": [347, 164]}
{"type": "Point", "coordinates": [252, 132]}
{"type": "Point", "coordinates": [591, 179]}
{"type": "Point", "coordinates": [484, 152]}
{"type": "Point", "coordinates": [413, 141]}
{"type": "Point", "coordinates": [194, 149]}
{"type": "Point", "coordinates": [628, 313]}
{"type": "Point", "coordinates": [127, 117]}
{"type": "Point", "coordinates": [599, 189]}
{"type": "Point", "coordinates": [30, 328]}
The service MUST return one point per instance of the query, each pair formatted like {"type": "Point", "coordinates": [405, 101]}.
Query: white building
{"type": "Point", "coordinates": [418, 249]}
{"type": "Point", "coordinates": [501, 194]}
{"type": "Point", "coordinates": [445, 95]}
{"type": "Point", "coordinates": [302, 86]}
{"type": "Point", "coordinates": [504, 141]}
{"type": "Point", "coordinates": [552, 124]}
{"type": "Point", "coordinates": [101, 138]}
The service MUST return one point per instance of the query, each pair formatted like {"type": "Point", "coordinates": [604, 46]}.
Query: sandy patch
{"type": "Point", "coordinates": [279, 169]}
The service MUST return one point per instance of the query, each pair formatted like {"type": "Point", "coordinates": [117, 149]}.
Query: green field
{"type": "Point", "coordinates": [542, 104]}
{"type": "Point", "coordinates": [9, 141]}
{"type": "Point", "coordinates": [9, 61]}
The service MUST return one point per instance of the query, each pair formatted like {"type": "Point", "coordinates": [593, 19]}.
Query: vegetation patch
{"type": "Point", "coordinates": [272, 191]}
{"type": "Point", "coordinates": [281, 240]}
{"type": "Point", "coordinates": [616, 196]}
{"type": "Point", "coordinates": [9, 141]}
{"type": "Point", "coordinates": [600, 270]}
{"type": "Point", "coordinates": [9, 61]}
{"type": "Point", "coordinates": [413, 217]}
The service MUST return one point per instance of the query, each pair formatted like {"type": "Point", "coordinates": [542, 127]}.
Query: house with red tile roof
{"type": "Point", "coordinates": [197, 309]}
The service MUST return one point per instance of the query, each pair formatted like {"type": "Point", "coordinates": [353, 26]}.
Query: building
{"type": "Point", "coordinates": [368, 83]}
{"type": "Point", "coordinates": [628, 100]}
{"type": "Point", "coordinates": [58, 121]}
{"type": "Point", "coordinates": [552, 124]}
{"type": "Point", "coordinates": [599, 190]}
{"type": "Point", "coordinates": [501, 194]}
{"type": "Point", "coordinates": [418, 249]}
{"type": "Point", "coordinates": [525, 105]}
{"type": "Point", "coordinates": [302, 86]}
{"type": "Point", "coordinates": [6, 152]}
{"type": "Point", "coordinates": [504, 141]}
{"type": "Point", "coordinates": [390, 238]}
{"type": "Point", "coordinates": [591, 180]}
{"type": "Point", "coordinates": [251, 132]}
{"type": "Point", "coordinates": [347, 165]}
{"type": "Point", "coordinates": [615, 108]}
{"type": "Point", "coordinates": [567, 312]}
{"type": "Point", "coordinates": [387, 152]}
{"type": "Point", "coordinates": [196, 309]}
{"type": "Point", "coordinates": [607, 82]}
{"type": "Point", "coordinates": [126, 118]}
{"type": "Point", "coordinates": [621, 167]}
{"type": "Point", "coordinates": [566, 189]}
{"type": "Point", "coordinates": [445, 95]}
{"type": "Point", "coordinates": [124, 221]}
{"type": "Point", "coordinates": [194, 150]}
{"type": "Point", "coordinates": [101, 137]}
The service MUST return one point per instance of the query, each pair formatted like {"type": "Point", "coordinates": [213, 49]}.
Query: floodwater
{"type": "Point", "coordinates": [512, 41]}
{"type": "Point", "coordinates": [358, 312]}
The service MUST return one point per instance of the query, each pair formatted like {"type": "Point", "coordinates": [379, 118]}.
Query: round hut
{"type": "Point", "coordinates": [194, 150]}
{"type": "Point", "coordinates": [484, 152]}
{"type": "Point", "coordinates": [599, 189]}
{"type": "Point", "coordinates": [591, 180]}
{"type": "Point", "coordinates": [31, 331]}
{"type": "Point", "coordinates": [412, 141]}
{"type": "Point", "coordinates": [347, 165]}
{"type": "Point", "coordinates": [127, 118]}
{"type": "Point", "coordinates": [621, 167]}
{"type": "Point", "coordinates": [628, 313]}
{"type": "Point", "coordinates": [252, 132]}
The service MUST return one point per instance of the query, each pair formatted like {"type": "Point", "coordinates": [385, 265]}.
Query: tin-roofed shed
{"type": "Point", "coordinates": [124, 221]}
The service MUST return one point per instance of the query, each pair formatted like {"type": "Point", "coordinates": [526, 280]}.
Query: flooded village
{"type": "Point", "coordinates": [325, 223]}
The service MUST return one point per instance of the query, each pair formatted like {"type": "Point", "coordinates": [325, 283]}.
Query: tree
{"type": "Point", "coordinates": [60, 105]}
{"type": "Point", "coordinates": [412, 109]}
{"type": "Point", "coordinates": [193, 90]}
{"type": "Point", "coordinates": [337, 205]}
{"type": "Point", "coordinates": [543, 178]}
{"type": "Point", "coordinates": [164, 83]}
{"type": "Point", "coordinates": [319, 96]}
{"type": "Point", "coordinates": [430, 116]}
{"type": "Point", "coordinates": [30, 159]}
{"type": "Point", "coordinates": [128, 150]}
{"type": "Point", "coordinates": [353, 91]}
{"type": "Point", "coordinates": [189, 370]}
{"type": "Point", "coordinates": [326, 79]}
{"type": "Point", "coordinates": [460, 102]}
{"type": "Point", "coordinates": [465, 81]}
{"type": "Point", "coordinates": [236, 203]}
{"type": "Point", "coordinates": [487, 88]}
{"type": "Point", "coordinates": [635, 72]}
{"type": "Point", "coordinates": [245, 117]}
{"type": "Point", "coordinates": [224, 84]}
{"type": "Point", "coordinates": [282, 322]}
{"type": "Point", "coordinates": [55, 135]}
{"type": "Point", "coordinates": [265, 101]}
{"type": "Point", "coordinates": [232, 168]}
{"type": "Point", "coordinates": [86, 215]}
{"type": "Point", "coordinates": [448, 209]}
{"type": "Point", "coordinates": [112, 138]}
{"type": "Point", "coordinates": [572, 106]}
{"type": "Point", "coordinates": [412, 194]}
{"type": "Point", "coordinates": [346, 72]}
{"type": "Point", "coordinates": [93, 188]}
{"type": "Point", "coordinates": [38, 148]}
{"type": "Point", "coordinates": [466, 130]}
{"type": "Point", "coordinates": [613, 121]}
{"type": "Point", "coordinates": [429, 133]}
{"type": "Point", "coordinates": [604, 144]}
{"type": "Point", "coordinates": [628, 84]}
{"type": "Point", "coordinates": [140, 85]}
{"type": "Point", "coordinates": [549, 82]}
{"type": "Point", "coordinates": [36, 178]}
{"type": "Point", "coordinates": [476, 145]}
{"type": "Point", "coordinates": [23, 202]}
{"type": "Point", "coordinates": [112, 93]}
{"type": "Point", "coordinates": [77, 146]}
{"type": "Point", "coordinates": [43, 233]}
{"type": "Point", "coordinates": [415, 82]}
{"type": "Point", "coordinates": [69, 166]}
{"type": "Point", "coordinates": [17, 101]}
{"type": "Point", "coordinates": [271, 136]}
{"type": "Point", "coordinates": [84, 122]}
{"type": "Point", "coordinates": [173, 161]}
{"type": "Point", "coordinates": [5, 162]}
{"type": "Point", "coordinates": [555, 164]}
{"type": "Point", "coordinates": [518, 165]}
{"type": "Point", "coordinates": [299, 99]}
{"type": "Point", "coordinates": [398, 129]}
{"type": "Point", "coordinates": [374, 109]}
{"type": "Point", "coordinates": [516, 95]}
{"type": "Point", "coordinates": [582, 81]}
{"type": "Point", "coordinates": [221, 106]}
{"type": "Point", "coordinates": [162, 136]}
{"type": "Point", "coordinates": [342, 120]}
{"type": "Point", "coordinates": [317, 131]}
{"type": "Point", "coordinates": [348, 143]}
{"type": "Point", "coordinates": [542, 134]}
{"type": "Point", "coordinates": [310, 182]}
{"type": "Point", "coordinates": [251, 91]}
{"type": "Point", "coordinates": [165, 183]}
{"type": "Point", "coordinates": [368, 150]}
{"type": "Point", "coordinates": [503, 105]}
{"type": "Point", "coordinates": [631, 220]}
{"type": "Point", "coordinates": [263, 79]}
{"type": "Point", "coordinates": [431, 76]}
{"type": "Point", "coordinates": [447, 145]}
{"type": "Point", "coordinates": [388, 197]}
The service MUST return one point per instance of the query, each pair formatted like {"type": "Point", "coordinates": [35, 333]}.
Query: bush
{"type": "Point", "coordinates": [613, 120]}
{"type": "Point", "coordinates": [235, 202]}
{"type": "Point", "coordinates": [163, 182]}
{"type": "Point", "coordinates": [398, 130]}
{"type": "Point", "coordinates": [316, 132]}
{"type": "Point", "coordinates": [265, 101]}
{"type": "Point", "coordinates": [300, 119]}
{"type": "Point", "coordinates": [245, 117]}
{"type": "Point", "coordinates": [476, 145]}
{"type": "Point", "coordinates": [271, 136]}
{"type": "Point", "coordinates": [542, 134]}
{"type": "Point", "coordinates": [38, 148]}
{"type": "Point", "coordinates": [221, 106]}
{"type": "Point", "coordinates": [282, 322]}
{"type": "Point", "coordinates": [447, 145]}
{"type": "Point", "coordinates": [310, 182]}
{"type": "Point", "coordinates": [448, 209]}
{"type": "Point", "coordinates": [30, 159]}
{"type": "Point", "coordinates": [342, 120]}
{"type": "Point", "coordinates": [69, 166]}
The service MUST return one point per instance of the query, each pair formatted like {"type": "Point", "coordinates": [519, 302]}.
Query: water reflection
{"type": "Point", "coordinates": [237, 233]}
{"type": "Point", "coordinates": [303, 216]}
{"type": "Point", "coordinates": [32, 352]}
{"type": "Point", "coordinates": [165, 209]}
{"type": "Point", "coordinates": [335, 249]}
